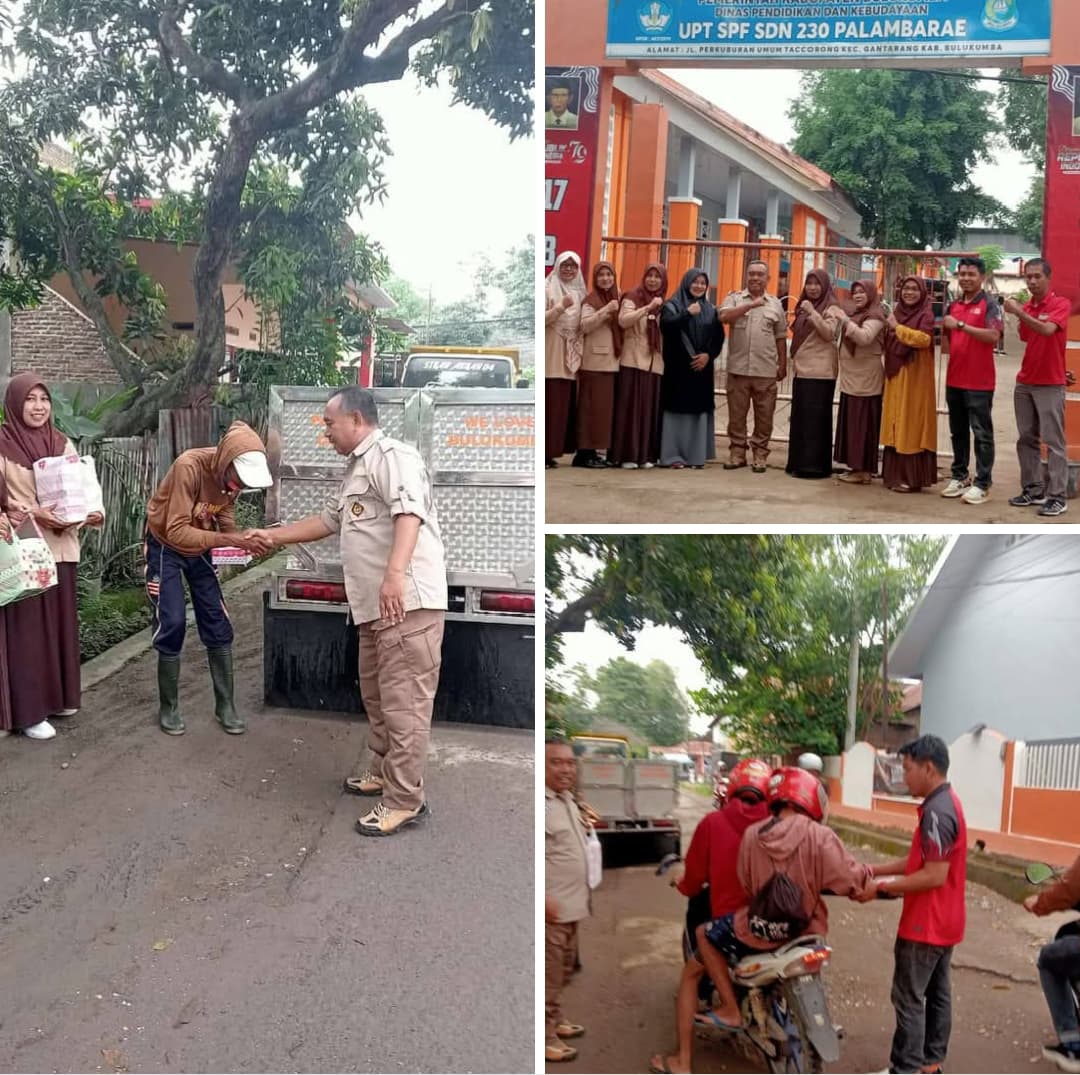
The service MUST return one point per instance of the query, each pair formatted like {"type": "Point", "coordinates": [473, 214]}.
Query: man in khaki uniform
{"type": "Point", "coordinates": [395, 581]}
{"type": "Point", "coordinates": [566, 903]}
{"type": "Point", "coordinates": [756, 363]}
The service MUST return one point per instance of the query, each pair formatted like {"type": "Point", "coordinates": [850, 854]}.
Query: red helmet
{"type": "Point", "coordinates": [750, 775]}
{"type": "Point", "coordinates": [800, 789]}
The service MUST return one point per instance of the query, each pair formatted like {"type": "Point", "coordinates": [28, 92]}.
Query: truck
{"type": "Point", "coordinates": [461, 367]}
{"type": "Point", "coordinates": [632, 796]}
{"type": "Point", "coordinates": [478, 446]}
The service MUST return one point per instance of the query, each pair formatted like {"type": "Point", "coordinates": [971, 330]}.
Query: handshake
{"type": "Point", "coordinates": [256, 542]}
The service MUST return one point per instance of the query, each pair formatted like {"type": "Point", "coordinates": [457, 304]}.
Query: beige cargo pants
{"type": "Point", "coordinates": [399, 671]}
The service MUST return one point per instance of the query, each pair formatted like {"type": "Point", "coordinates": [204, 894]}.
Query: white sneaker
{"type": "Point", "coordinates": [975, 495]}
{"type": "Point", "coordinates": [647, 466]}
{"type": "Point", "coordinates": [629, 466]}
{"type": "Point", "coordinates": [956, 488]}
{"type": "Point", "coordinates": [44, 730]}
{"type": "Point", "coordinates": [65, 713]}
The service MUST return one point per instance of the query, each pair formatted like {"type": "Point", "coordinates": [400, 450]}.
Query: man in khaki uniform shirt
{"type": "Point", "coordinates": [395, 580]}
{"type": "Point", "coordinates": [566, 880]}
{"type": "Point", "coordinates": [756, 363]}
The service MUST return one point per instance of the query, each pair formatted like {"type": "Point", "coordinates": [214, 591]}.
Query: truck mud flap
{"type": "Point", "coordinates": [310, 662]}
{"type": "Point", "coordinates": [806, 996]}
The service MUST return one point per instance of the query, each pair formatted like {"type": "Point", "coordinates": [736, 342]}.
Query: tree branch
{"type": "Point", "coordinates": [210, 72]}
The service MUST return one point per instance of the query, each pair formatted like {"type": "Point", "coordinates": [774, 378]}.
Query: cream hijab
{"type": "Point", "coordinates": [568, 326]}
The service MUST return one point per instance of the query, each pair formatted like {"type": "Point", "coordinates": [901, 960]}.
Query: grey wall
{"type": "Point", "coordinates": [1008, 653]}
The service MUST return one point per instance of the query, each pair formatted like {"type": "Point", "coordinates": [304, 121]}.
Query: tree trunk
{"type": "Point", "coordinates": [853, 691]}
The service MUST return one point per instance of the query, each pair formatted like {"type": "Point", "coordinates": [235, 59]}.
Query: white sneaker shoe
{"type": "Point", "coordinates": [956, 488]}
{"type": "Point", "coordinates": [65, 713]}
{"type": "Point", "coordinates": [629, 466]}
{"type": "Point", "coordinates": [44, 730]}
{"type": "Point", "coordinates": [975, 495]}
{"type": "Point", "coordinates": [647, 466]}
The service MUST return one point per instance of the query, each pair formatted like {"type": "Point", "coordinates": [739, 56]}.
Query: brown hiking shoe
{"type": "Point", "coordinates": [382, 821]}
{"type": "Point", "coordinates": [367, 783]}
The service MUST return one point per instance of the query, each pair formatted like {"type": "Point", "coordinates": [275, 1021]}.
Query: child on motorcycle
{"type": "Point", "coordinates": [1059, 968]}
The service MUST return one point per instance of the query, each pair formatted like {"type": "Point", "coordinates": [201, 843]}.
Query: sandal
{"type": "Point", "coordinates": [557, 1053]}
{"type": "Point", "coordinates": [711, 1019]}
{"type": "Point", "coordinates": [660, 1065]}
{"type": "Point", "coordinates": [569, 1030]}
{"type": "Point", "coordinates": [854, 477]}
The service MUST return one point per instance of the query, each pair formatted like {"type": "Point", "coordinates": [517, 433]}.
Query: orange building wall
{"type": "Point", "coordinates": [893, 806]}
{"type": "Point", "coordinates": [1045, 813]}
{"type": "Point", "coordinates": [1064, 39]}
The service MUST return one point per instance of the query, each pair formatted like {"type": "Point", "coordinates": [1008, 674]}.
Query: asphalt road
{"type": "Point", "coordinates": [202, 903]}
{"type": "Point", "coordinates": [631, 955]}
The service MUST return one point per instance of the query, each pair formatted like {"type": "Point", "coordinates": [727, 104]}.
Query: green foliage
{"type": "Point", "coordinates": [1029, 213]}
{"type": "Point", "coordinates": [646, 698]}
{"type": "Point", "coordinates": [903, 144]}
{"type": "Point", "coordinates": [993, 256]}
{"type": "Point", "coordinates": [83, 421]}
{"type": "Point", "coordinates": [106, 618]}
{"type": "Point", "coordinates": [1023, 108]}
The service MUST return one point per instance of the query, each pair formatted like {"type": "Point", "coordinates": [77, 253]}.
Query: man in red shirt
{"type": "Point", "coordinates": [1039, 396]}
{"type": "Point", "coordinates": [971, 329]}
{"type": "Point", "coordinates": [711, 860]}
{"type": "Point", "coordinates": [931, 880]}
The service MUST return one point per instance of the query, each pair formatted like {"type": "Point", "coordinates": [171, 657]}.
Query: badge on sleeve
{"type": "Point", "coordinates": [357, 509]}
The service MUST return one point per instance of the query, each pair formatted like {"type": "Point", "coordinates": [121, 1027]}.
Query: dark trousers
{"type": "Point", "coordinates": [1040, 416]}
{"type": "Point", "coordinates": [1059, 968]}
{"type": "Point", "coordinates": [922, 998]}
{"type": "Point", "coordinates": [969, 417]}
{"type": "Point", "coordinates": [166, 570]}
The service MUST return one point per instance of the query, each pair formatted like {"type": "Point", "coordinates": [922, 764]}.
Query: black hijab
{"type": "Point", "coordinates": [699, 333]}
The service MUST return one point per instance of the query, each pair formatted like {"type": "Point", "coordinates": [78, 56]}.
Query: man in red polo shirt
{"type": "Point", "coordinates": [971, 330]}
{"type": "Point", "coordinates": [931, 880]}
{"type": "Point", "coordinates": [1039, 396]}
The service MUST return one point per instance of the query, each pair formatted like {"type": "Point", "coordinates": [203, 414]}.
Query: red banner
{"type": "Point", "coordinates": [1061, 221]}
{"type": "Point", "coordinates": [571, 132]}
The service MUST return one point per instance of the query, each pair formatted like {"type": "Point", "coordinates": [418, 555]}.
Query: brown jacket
{"type": "Point", "coordinates": [191, 507]}
{"type": "Point", "coordinates": [1062, 895]}
{"type": "Point", "coordinates": [810, 853]}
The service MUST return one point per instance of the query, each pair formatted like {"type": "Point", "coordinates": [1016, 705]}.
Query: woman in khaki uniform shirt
{"type": "Point", "coordinates": [564, 291]}
{"type": "Point", "coordinates": [602, 345]}
{"type": "Point", "coordinates": [813, 351]}
{"type": "Point", "coordinates": [635, 435]}
{"type": "Point", "coordinates": [862, 380]}
{"type": "Point", "coordinates": [42, 643]}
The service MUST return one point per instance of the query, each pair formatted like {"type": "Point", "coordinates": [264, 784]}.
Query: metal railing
{"type": "Point", "coordinates": [1049, 763]}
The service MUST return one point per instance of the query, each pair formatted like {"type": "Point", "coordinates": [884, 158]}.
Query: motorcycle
{"type": "Point", "coordinates": [781, 995]}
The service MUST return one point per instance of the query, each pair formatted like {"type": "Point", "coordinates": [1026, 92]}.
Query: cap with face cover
{"type": "Point", "coordinates": [253, 470]}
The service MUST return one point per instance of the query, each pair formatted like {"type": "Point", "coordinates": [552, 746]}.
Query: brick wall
{"type": "Point", "coordinates": [60, 343]}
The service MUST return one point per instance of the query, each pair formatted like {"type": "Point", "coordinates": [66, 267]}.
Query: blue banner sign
{"type": "Point", "coordinates": [801, 30]}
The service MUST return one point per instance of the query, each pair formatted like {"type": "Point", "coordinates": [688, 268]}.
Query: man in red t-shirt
{"type": "Point", "coordinates": [1039, 396]}
{"type": "Point", "coordinates": [971, 329]}
{"type": "Point", "coordinates": [931, 880]}
{"type": "Point", "coordinates": [711, 860]}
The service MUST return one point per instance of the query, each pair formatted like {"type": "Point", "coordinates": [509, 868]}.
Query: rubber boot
{"type": "Point", "coordinates": [221, 673]}
{"type": "Point", "coordinates": [168, 681]}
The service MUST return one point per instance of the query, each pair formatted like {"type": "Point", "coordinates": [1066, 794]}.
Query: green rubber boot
{"type": "Point", "coordinates": [168, 681]}
{"type": "Point", "coordinates": [221, 673]}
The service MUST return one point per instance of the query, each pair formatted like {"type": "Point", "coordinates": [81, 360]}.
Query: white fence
{"type": "Point", "coordinates": [1048, 763]}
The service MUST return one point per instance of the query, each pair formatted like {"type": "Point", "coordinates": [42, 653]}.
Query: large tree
{"type": "Point", "coordinates": [1023, 103]}
{"type": "Point", "coordinates": [164, 94]}
{"type": "Point", "coordinates": [645, 697]}
{"type": "Point", "coordinates": [903, 144]}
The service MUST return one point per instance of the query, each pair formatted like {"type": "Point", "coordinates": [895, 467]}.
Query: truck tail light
{"type": "Point", "coordinates": [497, 601]}
{"type": "Point", "coordinates": [304, 590]}
{"type": "Point", "coordinates": [601, 824]}
{"type": "Point", "coordinates": [664, 823]}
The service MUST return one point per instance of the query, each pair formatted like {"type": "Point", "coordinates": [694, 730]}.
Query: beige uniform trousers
{"type": "Point", "coordinates": [560, 951]}
{"type": "Point", "coordinates": [399, 671]}
{"type": "Point", "coordinates": [741, 391]}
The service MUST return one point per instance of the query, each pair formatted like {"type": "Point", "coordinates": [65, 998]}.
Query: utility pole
{"type": "Point", "coordinates": [884, 652]}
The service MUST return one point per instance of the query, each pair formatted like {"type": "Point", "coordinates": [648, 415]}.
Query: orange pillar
{"type": "Point", "coordinates": [645, 173]}
{"type": "Point", "coordinates": [731, 273]}
{"type": "Point", "coordinates": [682, 224]}
{"type": "Point", "coordinates": [1006, 797]}
{"type": "Point", "coordinates": [800, 262]}
{"type": "Point", "coordinates": [770, 254]}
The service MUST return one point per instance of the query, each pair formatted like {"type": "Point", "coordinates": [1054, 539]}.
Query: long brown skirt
{"type": "Point", "coordinates": [858, 432]}
{"type": "Point", "coordinates": [558, 409]}
{"type": "Point", "coordinates": [916, 470]}
{"type": "Point", "coordinates": [43, 652]}
{"type": "Point", "coordinates": [635, 433]}
{"type": "Point", "coordinates": [595, 407]}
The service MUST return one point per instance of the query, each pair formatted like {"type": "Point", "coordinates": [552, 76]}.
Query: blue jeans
{"type": "Point", "coordinates": [166, 570]}
{"type": "Point", "coordinates": [1059, 967]}
{"type": "Point", "coordinates": [970, 418]}
{"type": "Point", "coordinates": [922, 998]}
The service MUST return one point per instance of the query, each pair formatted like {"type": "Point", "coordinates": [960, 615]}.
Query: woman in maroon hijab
{"type": "Point", "coordinates": [42, 644]}
{"type": "Point", "coordinates": [862, 379]}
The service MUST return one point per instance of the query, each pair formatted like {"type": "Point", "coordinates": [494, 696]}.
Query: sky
{"type": "Point", "coordinates": [761, 99]}
{"type": "Point", "coordinates": [457, 188]}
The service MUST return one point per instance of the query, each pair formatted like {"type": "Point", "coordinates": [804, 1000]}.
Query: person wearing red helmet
{"type": "Point", "coordinates": [711, 861]}
{"type": "Point", "coordinates": [792, 842]}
